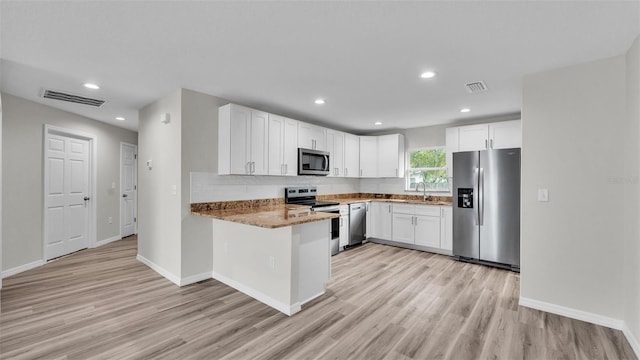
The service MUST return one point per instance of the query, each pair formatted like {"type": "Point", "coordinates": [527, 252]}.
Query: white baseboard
{"type": "Point", "coordinates": [265, 299]}
{"type": "Point", "coordinates": [195, 278]}
{"type": "Point", "coordinates": [21, 268]}
{"type": "Point", "coordinates": [160, 270]}
{"type": "Point", "coordinates": [633, 341]}
{"type": "Point", "coordinates": [109, 240]}
{"type": "Point", "coordinates": [572, 313]}
{"type": "Point", "coordinates": [312, 298]}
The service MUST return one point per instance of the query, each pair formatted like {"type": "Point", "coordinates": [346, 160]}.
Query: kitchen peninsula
{"type": "Point", "coordinates": [278, 254]}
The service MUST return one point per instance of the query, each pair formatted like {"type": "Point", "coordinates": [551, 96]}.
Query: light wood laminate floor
{"type": "Point", "coordinates": [382, 303]}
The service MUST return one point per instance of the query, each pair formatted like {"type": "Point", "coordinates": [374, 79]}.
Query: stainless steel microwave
{"type": "Point", "coordinates": [313, 162]}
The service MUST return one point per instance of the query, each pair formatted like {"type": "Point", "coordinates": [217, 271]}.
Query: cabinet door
{"type": "Point", "coordinates": [390, 159]}
{"type": "Point", "coordinates": [473, 137]}
{"type": "Point", "coordinates": [335, 146]}
{"type": "Point", "coordinates": [505, 135]}
{"type": "Point", "coordinates": [239, 135]}
{"type": "Point", "coordinates": [311, 136]}
{"type": "Point", "coordinates": [427, 231]}
{"type": "Point", "coordinates": [451, 141]}
{"type": "Point", "coordinates": [380, 220]}
{"type": "Point", "coordinates": [290, 147]}
{"type": "Point", "coordinates": [368, 156]}
{"type": "Point", "coordinates": [259, 142]}
{"type": "Point", "coordinates": [344, 230]}
{"type": "Point", "coordinates": [276, 144]}
{"type": "Point", "coordinates": [446, 228]}
{"type": "Point", "coordinates": [351, 156]}
{"type": "Point", "coordinates": [403, 228]}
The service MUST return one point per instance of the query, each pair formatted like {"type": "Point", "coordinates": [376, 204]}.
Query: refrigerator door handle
{"type": "Point", "coordinates": [476, 188]}
{"type": "Point", "coordinates": [481, 196]}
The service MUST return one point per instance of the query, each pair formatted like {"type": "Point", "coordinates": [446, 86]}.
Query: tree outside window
{"type": "Point", "coordinates": [430, 166]}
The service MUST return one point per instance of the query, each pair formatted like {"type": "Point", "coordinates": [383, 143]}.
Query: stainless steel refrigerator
{"type": "Point", "coordinates": [486, 207]}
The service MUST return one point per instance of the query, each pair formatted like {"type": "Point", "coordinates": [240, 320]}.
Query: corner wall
{"type": "Point", "coordinates": [160, 188]}
{"type": "Point", "coordinates": [22, 175]}
{"type": "Point", "coordinates": [572, 249]}
{"type": "Point", "coordinates": [631, 272]}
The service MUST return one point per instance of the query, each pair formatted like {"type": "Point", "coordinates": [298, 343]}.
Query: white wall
{"type": "Point", "coordinates": [209, 187]}
{"type": "Point", "coordinates": [159, 231]}
{"type": "Point", "coordinates": [199, 149]}
{"type": "Point", "coordinates": [631, 199]}
{"type": "Point", "coordinates": [573, 132]}
{"type": "Point", "coordinates": [22, 138]}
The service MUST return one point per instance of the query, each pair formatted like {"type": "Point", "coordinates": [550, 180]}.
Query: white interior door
{"type": "Point", "coordinates": [128, 188]}
{"type": "Point", "coordinates": [67, 195]}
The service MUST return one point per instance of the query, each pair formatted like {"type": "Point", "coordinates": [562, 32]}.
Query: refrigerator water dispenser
{"type": "Point", "coordinates": [465, 198]}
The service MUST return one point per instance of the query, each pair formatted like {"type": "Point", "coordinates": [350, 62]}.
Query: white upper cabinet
{"type": "Point", "coordinates": [498, 135]}
{"type": "Point", "coordinates": [351, 156]}
{"type": "Point", "coordinates": [473, 137]}
{"type": "Point", "coordinates": [283, 145]}
{"type": "Point", "coordinates": [452, 146]}
{"type": "Point", "coordinates": [391, 155]}
{"type": "Point", "coordinates": [243, 139]}
{"type": "Point", "coordinates": [335, 146]}
{"type": "Point", "coordinates": [368, 156]}
{"type": "Point", "coordinates": [505, 134]}
{"type": "Point", "coordinates": [311, 136]}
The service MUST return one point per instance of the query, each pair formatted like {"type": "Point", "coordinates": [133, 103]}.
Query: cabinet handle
{"type": "Point", "coordinates": [396, 172]}
{"type": "Point", "coordinates": [360, 172]}
{"type": "Point", "coordinates": [253, 167]}
{"type": "Point", "coordinates": [340, 221]}
{"type": "Point", "coordinates": [346, 172]}
{"type": "Point", "coordinates": [389, 208]}
{"type": "Point", "coordinates": [485, 144]}
{"type": "Point", "coordinates": [286, 169]}
{"type": "Point", "coordinates": [491, 143]}
{"type": "Point", "coordinates": [247, 167]}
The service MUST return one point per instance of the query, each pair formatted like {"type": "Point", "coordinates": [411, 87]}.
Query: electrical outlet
{"type": "Point", "coordinates": [110, 220]}
{"type": "Point", "coordinates": [272, 262]}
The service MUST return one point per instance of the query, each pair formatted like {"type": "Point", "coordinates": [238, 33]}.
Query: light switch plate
{"type": "Point", "coordinates": [543, 195]}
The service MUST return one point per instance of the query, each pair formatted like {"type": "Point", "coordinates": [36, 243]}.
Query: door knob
{"type": "Point", "coordinates": [86, 198]}
{"type": "Point", "coordinates": [125, 195]}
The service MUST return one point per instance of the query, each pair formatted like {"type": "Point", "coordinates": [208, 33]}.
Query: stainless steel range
{"type": "Point", "coordinates": [306, 195]}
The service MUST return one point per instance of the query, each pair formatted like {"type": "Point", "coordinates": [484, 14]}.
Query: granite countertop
{"type": "Point", "coordinates": [272, 216]}
{"type": "Point", "coordinates": [405, 201]}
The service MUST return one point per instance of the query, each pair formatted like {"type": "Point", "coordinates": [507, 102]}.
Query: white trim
{"type": "Point", "coordinates": [572, 313]}
{"type": "Point", "coordinates": [633, 341]}
{"type": "Point", "coordinates": [195, 278]}
{"type": "Point", "coordinates": [168, 275]}
{"type": "Point", "coordinates": [21, 268]}
{"type": "Point", "coordinates": [265, 299]}
{"type": "Point", "coordinates": [135, 198]}
{"type": "Point", "coordinates": [109, 240]}
{"type": "Point", "coordinates": [93, 174]}
{"type": "Point", "coordinates": [313, 297]}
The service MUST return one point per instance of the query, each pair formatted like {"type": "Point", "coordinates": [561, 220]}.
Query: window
{"type": "Point", "coordinates": [430, 166]}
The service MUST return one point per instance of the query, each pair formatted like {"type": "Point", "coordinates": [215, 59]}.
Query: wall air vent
{"type": "Point", "coordinates": [57, 95]}
{"type": "Point", "coordinates": [476, 87]}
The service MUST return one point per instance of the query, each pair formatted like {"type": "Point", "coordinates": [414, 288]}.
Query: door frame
{"type": "Point", "coordinates": [135, 198]}
{"type": "Point", "coordinates": [93, 175]}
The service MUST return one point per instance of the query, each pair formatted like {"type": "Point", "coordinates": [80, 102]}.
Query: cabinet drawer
{"type": "Point", "coordinates": [403, 209]}
{"type": "Point", "coordinates": [427, 210]}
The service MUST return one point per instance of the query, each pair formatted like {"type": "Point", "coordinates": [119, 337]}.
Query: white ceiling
{"type": "Point", "coordinates": [364, 58]}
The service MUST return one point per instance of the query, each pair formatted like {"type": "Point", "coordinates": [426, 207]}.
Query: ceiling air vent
{"type": "Point", "coordinates": [476, 87]}
{"type": "Point", "coordinates": [57, 95]}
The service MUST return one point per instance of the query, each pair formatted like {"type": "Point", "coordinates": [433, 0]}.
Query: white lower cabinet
{"type": "Point", "coordinates": [381, 218]}
{"type": "Point", "coordinates": [446, 228]}
{"type": "Point", "coordinates": [416, 224]}
{"type": "Point", "coordinates": [344, 225]}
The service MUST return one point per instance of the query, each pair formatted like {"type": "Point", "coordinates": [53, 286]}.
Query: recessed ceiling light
{"type": "Point", "coordinates": [427, 75]}
{"type": "Point", "coordinates": [465, 110]}
{"type": "Point", "coordinates": [319, 101]}
{"type": "Point", "coordinates": [377, 123]}
{"type": "Point", "coordinates": [91, 86]}
{"type": "Point", "coordinates": [120, 118]}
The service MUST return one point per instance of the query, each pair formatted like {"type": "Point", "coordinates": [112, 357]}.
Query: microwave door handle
{"type": "Point", "coordinates": [326, 162]}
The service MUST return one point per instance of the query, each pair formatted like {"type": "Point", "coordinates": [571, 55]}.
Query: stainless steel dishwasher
{"type": "Point", "coordinates": [357, 223]}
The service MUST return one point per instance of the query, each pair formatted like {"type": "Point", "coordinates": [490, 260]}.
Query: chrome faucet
{"type": "Point", "coordinates": [424, 189]}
